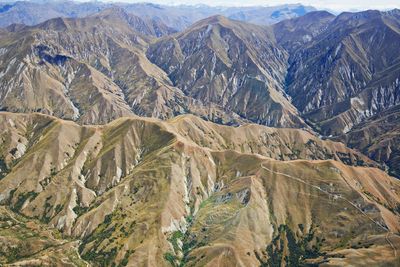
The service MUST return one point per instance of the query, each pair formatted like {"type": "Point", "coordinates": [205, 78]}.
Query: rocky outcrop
{"type": "Point", "coordinates": [148, 191]}
{"type": "Point", "coordinates": [235, 65]}
{"type": "Point", "coordinates": [378, 137]}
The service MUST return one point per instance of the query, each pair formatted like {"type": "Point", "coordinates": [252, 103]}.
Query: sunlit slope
{"type": "Point", "coordinates": [148, 192]}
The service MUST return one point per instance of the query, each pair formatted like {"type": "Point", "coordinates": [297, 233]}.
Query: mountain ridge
{"type": "Point", "coordinates": [219, 185]}
{"type": "Point", "coordinates": [199, 71]}
{"type": "Point", "coordinates": [224, 47]}
{"type": "Point", "coordinates": [124, 142]}
{"type": "Point", "coordinates": [176, 17]}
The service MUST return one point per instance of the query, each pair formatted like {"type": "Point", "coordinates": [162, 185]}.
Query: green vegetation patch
{"type": "Point", "coordinates": [103, 231]}
{"type": "Point", "coordinates": [285, 250]}
{"type": "Point", "coordinates": [22, 198]}
{"type": "Point", "coordinates": [171, 258]}
{"type": "Point", "coordinates": [80, 210]}
{"type": "Point", "coordinates": [125, 260]}
{"type": "Point", "coordinates": [3, 168]}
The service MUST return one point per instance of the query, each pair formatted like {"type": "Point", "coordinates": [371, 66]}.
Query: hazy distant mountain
{"type": "Point", "coordinates": [177, 17]}
{"type": "Point", "coordinates": [180, 17]}
{"type": "Point", "coordinates": [267, 15]}
{"type": "Point", "coordinates": [31, 13]}
{"type": "Point", "coordinates": [295, 33]}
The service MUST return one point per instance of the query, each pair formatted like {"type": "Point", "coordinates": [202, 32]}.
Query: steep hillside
{"type": "Point", "coordinates": [111, 157]}
{"type": "Point", "coordinates": [276, 143]}
{"type": "Point", "coordinates": [344, 77]}
{"type": "Point", "coordinates": [348, 72]}
{"type": "Point", "coordinates": [379, 138]}
{"type": "Point", "coordinates": [222, 70]}
{"type": "Point", "coordinates": [294, 33]}
{"type": "Point", "coordinates": [31, 243]}
{"type": "Point", "coordinates": [236, 65]}
{"type": "Point", "coordinates": [71, 67]}
{"type": "Point", "coordinates": [153, 193]}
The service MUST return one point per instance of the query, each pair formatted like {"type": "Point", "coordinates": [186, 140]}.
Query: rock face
{"type": "Point", "coordinates": [344, 76]}
{"type": "Point", "coordinates": [235, 65]}
{"type": "Point", "coordinates": [144, 191]}
{"type": "Point", "coordinates": [111, 156]}
{"type": "Point", "coordinates": [71, 67]}
{"type": "Point", "coordinates": [332, 71]}
{"type": "Point", "coordinates": [379, 138]}
{"type": "Point", "coordinates": [295, 33]}
{"type": "Point", "coordinates": [346, 71]}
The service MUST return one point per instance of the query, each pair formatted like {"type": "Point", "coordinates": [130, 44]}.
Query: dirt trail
{"type": "Point", "coordinates": [339, 196]}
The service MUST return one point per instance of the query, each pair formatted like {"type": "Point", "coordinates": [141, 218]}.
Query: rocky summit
{"type": "Point", "coordinates": [156, 135]}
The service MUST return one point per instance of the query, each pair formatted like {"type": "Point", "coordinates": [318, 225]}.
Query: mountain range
{"type": "Point", "coordinates": [177, 17]}
{"type": "Point", "coordinates": [198, 136]}
{"type": "Point", "coordinates": [144, 192]}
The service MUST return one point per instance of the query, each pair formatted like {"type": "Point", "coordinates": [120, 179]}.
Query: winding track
{"type": "Point", "coordinates": [339, 196]}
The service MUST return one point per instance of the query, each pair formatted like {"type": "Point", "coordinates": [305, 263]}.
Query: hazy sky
{"type": "Point", "coordinates": [331, 4]}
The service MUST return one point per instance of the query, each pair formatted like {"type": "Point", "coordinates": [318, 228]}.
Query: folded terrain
{"type": "Point", "coordinates": [124, 142]}
{"type": "Point", "coordinates": [31, 243]}
{"type": "Point", "coordinates": [332, 72]}
{"type": "Point", "coordinates": [234, 64]}
{"type": "Point", "coordinates": [344, 73]}
{"type": "Point", "coordinates": [185, 191]}
{"type": "Point", "coordinates": [71, 67]}
{"type": "Point", "coordinates": [222, 70]}
{"type": "Point", "coordinates": [379, 138]}
{"type": "Point", "coordinates": [178, 17]}
{"type": "Point", "coordinates": [345, 69]}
